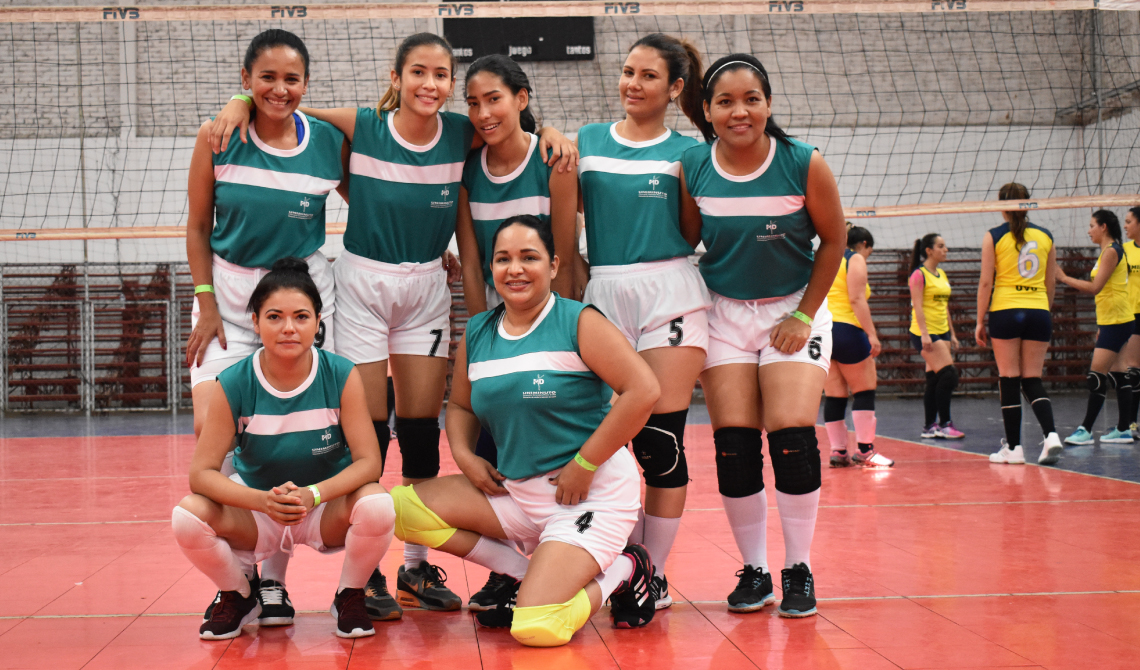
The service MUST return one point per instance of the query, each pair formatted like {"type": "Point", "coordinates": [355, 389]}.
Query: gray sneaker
{"type": "Point", "coordinates": [380, 604]}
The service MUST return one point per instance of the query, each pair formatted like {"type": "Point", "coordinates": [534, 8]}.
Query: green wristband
{"type": "Point", "coordinates": [244, 98]}
{"type": "Point", "coordinates": [584, 463]}
{"type": "Point", "coordinates": [802, 317]}
{"type": "Point", "coordinates": [203, 288]}
{"type": "Point", "coordinates": [316, 495]}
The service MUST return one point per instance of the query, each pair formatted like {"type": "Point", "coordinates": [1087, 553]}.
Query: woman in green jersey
{"type": "Point", "coordinates": [306, 463]}
{"type": "Point", "coordinates": [762, 197]}
{"type": "Point", "coordinates": [393, 301]}
{"type": "Point", "coordinates": [537, 372]}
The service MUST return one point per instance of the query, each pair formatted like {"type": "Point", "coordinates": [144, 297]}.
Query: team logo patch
{"type": "Point", "coordinates": [539, 382]}
{"type": "Point", "coordinates": [446, 202]}
{"type": "Point", "coordinates": [654, 182]}
{"type": "Point", "coordinates": [771, 232]}
{"type": "Point", "coordinates": [815, 347]}
{"type": "Point", "coordinates": [304, 214]}
{"type": "Point", "coordinates": [584, 522]}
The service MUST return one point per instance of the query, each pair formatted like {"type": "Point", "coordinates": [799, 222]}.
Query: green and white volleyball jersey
{"type": "Point", "coordinates": [403, 196]}
{"type": "Point", "coordinates": [270, 203]}
{"type": "Point", "coordinates": [533, 393]}
{"type": "Point", "coordinates": [631, 194]}
{"type": "Point", "coordinates": [756, 230]}
{"type": "Point", "coordinates": [285, 436]}
{"type": "Point", "coordinates": [496, 199]}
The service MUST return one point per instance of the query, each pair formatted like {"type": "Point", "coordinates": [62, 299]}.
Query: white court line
{"type": "Point", "coordinates": [82, 523]}
{"type": "Point", "coordinates": [950, 504]}
{"type": "Point", "coordinates": [691, 602]}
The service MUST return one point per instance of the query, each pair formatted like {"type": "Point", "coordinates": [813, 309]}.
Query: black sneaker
{"type": "Point", "coordinates": [799, 592]}
{"type": "Point", "coordinates": [276, 609]}
{"type": "Point", "coordinates": [253, 584]}
{"type": "Point", "coordinates": [752, 592]}
{"type": "Point", "coordinates": [424, 587]}
{"type": "Point", "coordinates": [380, 604]}
{"type": "Point", "coordinates": [228, 614]}
{"type": "Point", "coordinates": [659, 586]}
{"type": "Point", "coordinates": [351, 617]}
{"type": "Point", "coordinates": [501, 612]}
{"type": "Point", "coordinates": [488, 597]}
{"type": "Point", "coordinates": [631, 603]}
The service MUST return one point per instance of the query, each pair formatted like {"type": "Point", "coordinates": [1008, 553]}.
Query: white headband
{"type": "Point", "coordinates": [741, 62]}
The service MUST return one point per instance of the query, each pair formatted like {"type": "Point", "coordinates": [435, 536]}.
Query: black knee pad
{"type": "Point", "coordinates": [1008, 388]}
{"type": "Point", "coordinates": [834, 409]}
{"type": "Point", "coordinates": [863, 401]}
{"type": "Point", "coordinates": [383, 436]}
{"type": "Point", "coordinates": [1120, 380]}
{"type": "Point", "coordinates": [795, 460]}
{"type": "Point", "coordinates": [419, 446]}
{"type": "Point", "coordinates": [1033, 389]}
{"type": "Point", "coordinates": [739, 461]}
{"type": "Point", "coordinates": [1098, 382]}
{"type": "Point", "coordinates": [947, 375]}
{"type": "Point", "coordinates": [660, 449]}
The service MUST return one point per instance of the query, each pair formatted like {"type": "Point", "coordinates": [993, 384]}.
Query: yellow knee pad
{"type": "Point", "coordinates": [416, 523]}
{"type": "Point", "coordinates": [551, 625]}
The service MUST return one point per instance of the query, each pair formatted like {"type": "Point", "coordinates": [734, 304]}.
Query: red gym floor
{"type": "Point", "coordinates": [945, 561]}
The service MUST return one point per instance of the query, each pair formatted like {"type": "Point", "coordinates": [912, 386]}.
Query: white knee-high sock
{"type": "Point", "coordinates": [413, 555]}
{"type": "Point", "coordinates": [797, 517]}
{"type": "Point", "coordinates": [837, 434]}
{"type": "Point", "coordinates": [748, 518]}
{"type": "Point", "coordinates": [611, 578]}
{"type": "Point", "coordinates": [208, 552]}
{"type": "Point", "coordinates": [865, 424]}
{"type": "Point", "coordinates": [275, 567]}
{"type": "Point", "coordinates": [660, 533]}
{"type": "Point", "coordinates": [370, 528]}
{"type": "Point", "coordinates": [498, 556]}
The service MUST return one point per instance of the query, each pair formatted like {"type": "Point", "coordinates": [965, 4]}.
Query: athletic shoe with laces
{"type": "Point", "coordinates": [380, 604]}
{"type": "Point", "coordinates": [499, 612]}
{"type": "Point", "coordinates": [871, 459]}
{"type": "Point", "coordinates": [839, 459]}
{"type": "Point", "coordinates": [1051, 450]}
{"type": "Point", "coordinates": [488, 596]}
{"type": "Point", "coordinates": [1135, 430]}
{"type": "Point", "coordinates": [1115, 436]}
{"type": "Point", "coordinates": [351, 617]}
{"type": "Point", "coordinates": [229, 613]}
{"type": "Point", "coordinates": [631, 603]}
{"type": "Point", "coordinates": [753, 590]}
{"type": "Point", "coordinates": [659, 587]}
{"type": "Point", "coordinates": [253, 582]}
{"type": "Point", "coordinates": [799, 592]}
{"type": "Point", "coordinates": [931, 431]}
{"type": "Point", "coordinates": [1080, 437]}
{"type": "Point", "coordinates": [424, 587]}
{"type": "Point", "coordinates": [1009, 455]}
{"type": "Point", "coordinates": [276, 608]}
{"type": "Point", "coordinates": [949, 432]}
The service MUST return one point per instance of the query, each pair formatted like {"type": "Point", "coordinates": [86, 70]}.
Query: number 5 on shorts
{"type": "Point", "coordinates": [675, 327]}
{"type": "Point", "coordinates": [438, 332]}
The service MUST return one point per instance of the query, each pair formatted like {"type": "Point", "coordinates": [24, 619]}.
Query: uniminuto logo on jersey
{"type": "Point", "coordinates": [654, 182]}
{"type": "Point", "coordinates": [539, 381]}
{"type": "Point", "coordinates": [443, 204]}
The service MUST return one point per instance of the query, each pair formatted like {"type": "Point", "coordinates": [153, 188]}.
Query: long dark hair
{"type": "Point", "coordinates": [1109, 221]}
{"type": "Point", "coordinates": [920, 246]}
{"type": "Point", "coordinates": [274, 37]}
{"type": "Point", "coordinates": [391, 99]}
{"type": "Point", "coordinates": [534, 223]}
{"type": "Point", "coordinates": [1017, 220]}
{"type": "Point", "coordinates": [731, 63]}
{"type": "Point", "coordinates": [684, 62]}
{"type": "Point", "coordinates": [287, 273]}
{"type": "Point", "coordinates": [857, 234]}
{"type": "Point", "coordinates": [515, 79]}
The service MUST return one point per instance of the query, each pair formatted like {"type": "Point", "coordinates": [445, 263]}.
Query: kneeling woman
{"type": "Point", "coordinates": [307, 463]}
{"type": "Point", "coordinates": [534, 372]}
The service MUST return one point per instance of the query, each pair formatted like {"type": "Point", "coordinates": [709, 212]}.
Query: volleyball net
{"type": "Point", "coordinates": [922, 109]}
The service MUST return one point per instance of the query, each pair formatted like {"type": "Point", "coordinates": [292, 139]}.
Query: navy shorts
{"type": "Point", "coordinates": [1114, 337]}
{"type": "Point", "coordinates": [1137, 324]}
{"type": "Point", "coordinates": [849, 344]}
{"type": "Point", "coordinates": [1021, 324]}
{"type": "Point", "coordinates": [916, 341]}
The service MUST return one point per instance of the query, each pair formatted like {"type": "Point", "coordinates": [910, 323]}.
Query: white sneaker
{"type": "Point", "coordinates": [1051, 450]}
{"type": "Point", "coordinates": [1008, 455]}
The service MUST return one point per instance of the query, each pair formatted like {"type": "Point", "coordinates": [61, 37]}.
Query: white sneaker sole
{"type": "Point", "coordinates": [1117, 440]}
{"type": "Point", "coordinates": [1002, 460]}
{"type": "Point", "coordinates": [664, 603]}
{"type": "Point", "coordinates": [1075, 443]}
{"type": "Point", "coordinates": [744, 609]}
{"type": "Point", "coordinates": [796, 615]}
{"type": "Point", "coordinates": [1050, 455]}
{"type": "Point", "coordinates": [356, 632]}
{"type": "Point", "coordinates": [247, 619]}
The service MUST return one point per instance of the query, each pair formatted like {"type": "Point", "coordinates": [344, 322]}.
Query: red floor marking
{"type": "Point", "coordinates": [944, 561]}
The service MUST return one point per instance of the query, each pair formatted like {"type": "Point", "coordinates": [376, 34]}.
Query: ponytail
{"type": "Point", "coordinates": [288, 273]}
{"type": "Point", "coordinates": [513, 78]}
{"type": "Point", "coordinates": [731, 63]}
{"type": "Point", "coordinates": [1019, 219]}
{"type": "Point", "coordinates": [920, 246]}
{"type": "Point", "coordinates": [391, 99]}
{"type": "Point", "coordinates": [684, 63]}
{"type": "Point", "coordinates": [1110, 222]}
{"type": "Point", "coordinates": [857, 234]}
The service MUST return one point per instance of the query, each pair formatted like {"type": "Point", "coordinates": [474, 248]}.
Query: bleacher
{"type": "Point", "coordinates": [112, 337]}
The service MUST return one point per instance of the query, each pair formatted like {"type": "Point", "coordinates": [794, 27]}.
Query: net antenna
{"type": "Point", "coordinates": [923, 110]}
